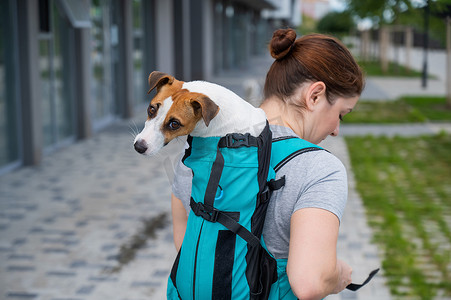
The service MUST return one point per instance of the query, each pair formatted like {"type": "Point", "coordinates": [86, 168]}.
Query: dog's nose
{"type": "Point", "coordinates": [140, 146]}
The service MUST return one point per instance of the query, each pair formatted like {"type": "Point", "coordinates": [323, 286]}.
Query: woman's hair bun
{"type": "Point", "coordinates": [281, 42]}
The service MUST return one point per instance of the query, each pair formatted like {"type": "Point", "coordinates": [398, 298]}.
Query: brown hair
{"type": "Point", "coordinates": [313, 57]}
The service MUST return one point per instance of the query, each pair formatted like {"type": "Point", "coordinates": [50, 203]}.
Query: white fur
{"type": "Point", "coordinates": [151, 133]}
{"type": "Point", "coordinates": [235, 114]}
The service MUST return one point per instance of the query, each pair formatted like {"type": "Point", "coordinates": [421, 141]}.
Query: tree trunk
{"type": "Point", "coordinates": [409, 44]}
{"type": "Point", "coordinates": [384, 39]}
{"type": "Point", "coordinates": [365, 45]}
{"type": "Point", "coordinates": [448, 62]}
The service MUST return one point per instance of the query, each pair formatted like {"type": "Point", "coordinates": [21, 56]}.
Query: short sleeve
{"type": "Point", "coordinates": [181, 186]}
{"type": "Point", "coordinates": [326, 185]}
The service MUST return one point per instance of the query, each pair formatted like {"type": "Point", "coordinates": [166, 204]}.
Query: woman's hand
{"type": "Point", "coordinates": [344, 276]}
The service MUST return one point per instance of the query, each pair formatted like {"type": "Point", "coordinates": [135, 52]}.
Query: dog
{"type": "Point", "coordinates": [197, 108]}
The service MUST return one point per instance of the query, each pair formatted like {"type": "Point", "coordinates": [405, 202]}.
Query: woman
{"type": "Point", "coordinates": [312, 84]}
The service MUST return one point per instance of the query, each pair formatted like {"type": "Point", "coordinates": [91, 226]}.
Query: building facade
{"type": "Point", "coordinates": [285, 13]}
{"type": "Point", "coordinates": [68, 68]}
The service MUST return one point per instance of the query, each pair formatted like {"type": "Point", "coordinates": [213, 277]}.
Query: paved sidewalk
{"type": "Point", "coordinates": [64, 223]}
{"type": "Point", "coordinates": [391, 130]}
{"type": "Point", "coordinates": [391, 88]}
{"type": "Point", "coordinates": [354, 240]}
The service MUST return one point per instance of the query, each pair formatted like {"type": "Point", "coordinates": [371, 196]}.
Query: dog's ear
{"type": "Point", "coordinates": [158, 79]}
{"type": "Point", "coordinates": [207, 107]}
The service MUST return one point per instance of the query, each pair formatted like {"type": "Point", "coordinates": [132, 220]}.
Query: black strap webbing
{"type": "Point", "coordinates": [238, 229]}
{"type": "Point", "coordinates": [213, 181]}
{"type": "Point", "coordinates": [227, 219]}
{"type": "Point", "coordinates": [274, 184]}
{"type": "Point", "coordinates": [223, 265]}
{"type": "Point", "coordinates": [354, 287]}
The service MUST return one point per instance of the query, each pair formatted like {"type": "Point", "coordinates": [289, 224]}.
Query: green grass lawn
{"type": "Point", "coordinates": [373, 68]}
{"type": "Point", "coordinates": [403, 110]}
{"type": "Point", "coordinates": [405, 184]}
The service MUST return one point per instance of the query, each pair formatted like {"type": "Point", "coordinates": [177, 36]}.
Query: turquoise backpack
{"type": "Point", "coordinates": [223, 255]}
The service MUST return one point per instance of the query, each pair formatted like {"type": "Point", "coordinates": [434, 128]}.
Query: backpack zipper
{"type": "Point", "coordinates": [282, 138]}
{"type": "Point", "coordinates": [195, 260]}
{"type": "Point", "coordinates": [293, 155]}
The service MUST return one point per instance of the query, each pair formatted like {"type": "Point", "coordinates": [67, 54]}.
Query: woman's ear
{"type": "Point", "coordinates": [315, 92]}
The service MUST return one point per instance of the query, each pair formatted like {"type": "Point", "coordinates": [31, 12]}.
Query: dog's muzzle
{"type": "Point", "coordinates": [140, 146]}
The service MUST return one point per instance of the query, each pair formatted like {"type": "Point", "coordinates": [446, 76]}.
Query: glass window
{"type": "Point", "coordinates": [103, 36]}
{"type": "Point", "coordinates": [9, 146]}
{"type": "Point", "coordinates": [63, 80]}
{"type": "Point", "coordinates": [48, 113]}
{"type": "Point", "coordinates": [55, 65]}
{"type": "Point", "coordinates": [78, 12]}
{"type": "Point", "coordinates": [139, 78]}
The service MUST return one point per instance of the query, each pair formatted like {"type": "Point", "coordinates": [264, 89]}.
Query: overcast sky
{"type": "Point", "coordinates": [337, 5]}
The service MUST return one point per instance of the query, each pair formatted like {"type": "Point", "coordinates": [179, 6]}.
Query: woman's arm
{"type": "Point", "coordinates": [313, 269]}
{"type": "Point", "coordinates": [179, 219]}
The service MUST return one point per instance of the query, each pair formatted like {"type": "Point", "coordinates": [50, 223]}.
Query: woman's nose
{"type": "Point", "coordinates": [336, 130]}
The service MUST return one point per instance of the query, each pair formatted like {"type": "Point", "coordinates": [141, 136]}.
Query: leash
{"type": "Point", "coordinates": [354, 287]}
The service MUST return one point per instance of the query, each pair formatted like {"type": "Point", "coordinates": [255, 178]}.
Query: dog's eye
{"type": "Point", "coordinates": [174, 124]}
{"type": "Point", "coordinates": [151, 111]}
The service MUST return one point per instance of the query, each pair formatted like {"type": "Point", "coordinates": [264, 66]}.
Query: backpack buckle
{"type": "Point", "coordinates": [236, 140]}
{"type": "Point", "coordinates": [200, 210]}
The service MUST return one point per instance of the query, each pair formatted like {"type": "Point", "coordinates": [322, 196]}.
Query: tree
{"type": "Point", "coordinates": [336, 23]}
{"type": "Point", "coordinates": [379, 11]}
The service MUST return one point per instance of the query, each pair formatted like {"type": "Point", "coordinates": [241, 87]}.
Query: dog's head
{"type": "Point", "coordinates": [173, 112]}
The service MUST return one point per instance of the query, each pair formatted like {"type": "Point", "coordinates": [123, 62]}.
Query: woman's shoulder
{"type": "Point", "coordinates": [309, 161]}
{"type": "Point", "coordinates": [315, 165]}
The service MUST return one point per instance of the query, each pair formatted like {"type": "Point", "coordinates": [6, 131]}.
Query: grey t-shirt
{"type": "Point", "coordinates": [314, 179]}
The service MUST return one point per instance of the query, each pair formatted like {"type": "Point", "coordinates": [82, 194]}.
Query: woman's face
{"type": "Point", "coordinates": [326, 117]}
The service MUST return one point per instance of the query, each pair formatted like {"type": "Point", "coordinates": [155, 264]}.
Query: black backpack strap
{"type": "Point", "coordinates": [213, 181]}
{"type": "Point", "coordinates": [274, 184]}
{"type": "Point", "coordinates": [189, 140]}
{"type": "Point", "coordinates": [227, 219]}
{"type": "Point", "coordinates": [354, 287]}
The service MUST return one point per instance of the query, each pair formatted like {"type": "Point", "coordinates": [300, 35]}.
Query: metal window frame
{"type": "Point", "coordinates": [78, 12]}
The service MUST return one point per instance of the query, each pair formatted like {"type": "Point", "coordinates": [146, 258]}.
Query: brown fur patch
{"type": "Point", "coordinates": [183, 111]}
{"type": "Point", "coordinates": [187, 108]}
{"type": "Point", "coordinates": [166, 91]}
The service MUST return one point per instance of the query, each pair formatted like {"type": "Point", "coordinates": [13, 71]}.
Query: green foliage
{"type": "Point", "coordinates": [403, 12]}
{"type": "Point", "coordinates": [379, 11]}
{"type": "Point", "coordinates": [415, 18]}
{"type": "Point", "coordinates": [404, 110]}
{"type": "Point", "coordinates": [308, 25]}
{"type": "Point", "coordinates": [336, 23]}
{"type": "Point", "coordinates": [373, 68]}
{"type": "Point", "coordinates": [405, 186]}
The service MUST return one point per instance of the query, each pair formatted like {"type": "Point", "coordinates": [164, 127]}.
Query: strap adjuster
{"type": "Point", "coordinates": [236, 140]}
{"type": "Point", "coordinates": [200, 210]}
{"type": "Point", "coordinates": [265, 195]}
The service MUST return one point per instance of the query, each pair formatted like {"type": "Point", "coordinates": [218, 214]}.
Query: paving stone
{"type": "Point", "coordinates": [21, 257]}
{"type": "Point", "coordinates": [136, 284]}
{"type": "Point", "coordinates": [19, 295]}
{"type": "Point", "coordinates": [86, 290]}
{"type": "Point", "coordinates": [61, 274]}
{"type": "Point", "coordinates": [14, 268]}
